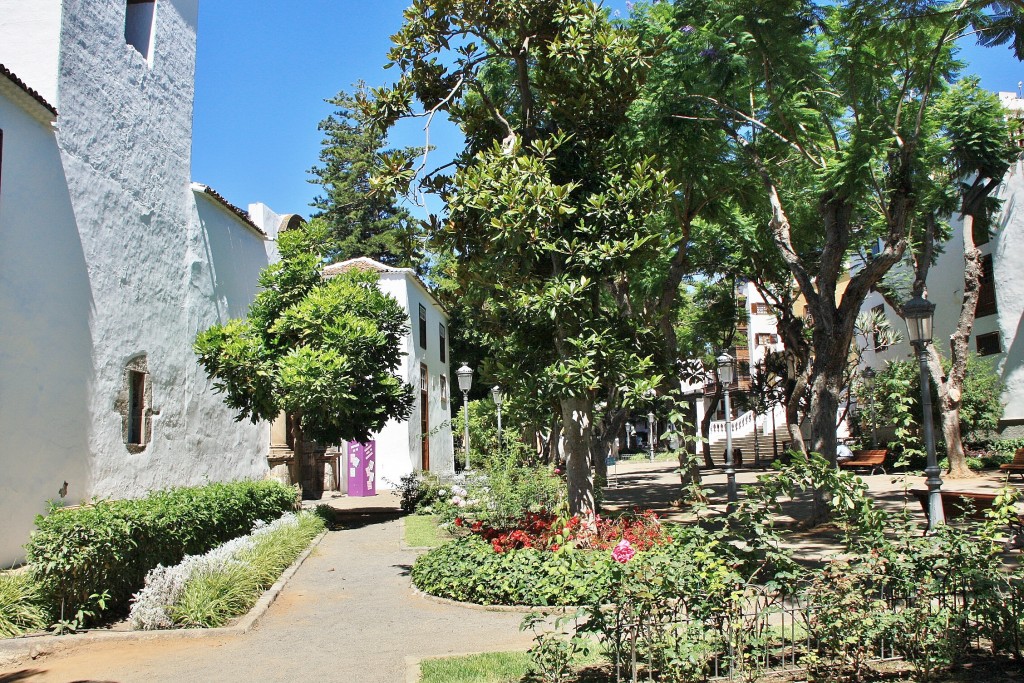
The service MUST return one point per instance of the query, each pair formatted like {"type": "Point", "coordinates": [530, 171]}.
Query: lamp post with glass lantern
{"type": "Point", "coordinates": [919, 314]}
{"type": "Point", "coordinates": [726, 374]}
{"type": "Point", "coordinates": [496, 395]}
{"type": "Point", "coordinates": [465, 375]}
{"type": "Point", "coordinates": [650, 432]}
{"type": "Point", "coordinates": [869, 384]}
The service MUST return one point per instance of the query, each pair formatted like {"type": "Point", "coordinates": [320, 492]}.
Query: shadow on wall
{"type": "Point", "coordinates": [45, 341]}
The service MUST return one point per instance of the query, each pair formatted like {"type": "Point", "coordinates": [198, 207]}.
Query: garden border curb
{"type": "Point", "coordinates": [401, 539]}
{"type": "Point", "coordinates": [521, 609]}
{"type": "Point", "coordinates": [14, 651]}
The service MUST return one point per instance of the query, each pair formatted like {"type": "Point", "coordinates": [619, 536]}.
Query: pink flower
{"type": "Point", "coordinates": [623, 552]}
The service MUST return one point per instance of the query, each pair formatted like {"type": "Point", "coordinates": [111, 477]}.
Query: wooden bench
{"type": "Point", "coordinates": [1017, 466]}
{"type": "Point", "coordinates": [865, 460]}
{"type": "Point", "coordinates": [959, 504]}
{"type": "Point", "coordinates": [972, 505]}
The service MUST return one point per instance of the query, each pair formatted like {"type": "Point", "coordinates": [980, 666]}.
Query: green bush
{"type": "Point", "coordinates": [469, 570]}
{"type": "Point", "coordinates": [21, 608]}
{"type": "Point", "coordinates": [109, 546]}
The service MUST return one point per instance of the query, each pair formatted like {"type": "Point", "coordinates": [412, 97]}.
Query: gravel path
{"type": "Point", "coordinates": [348, 615]}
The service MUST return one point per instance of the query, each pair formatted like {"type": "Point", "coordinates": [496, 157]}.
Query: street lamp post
{"type": "Point", "coordinates": [869, 384]}
{"type": "Point", "coordinates": [919, 313]}
{"type": "Point", "coordinates": [650, 432]}
{"type": "Point", "coordinates": [496, 395]}
{"type": "Point", "coordinates": [465, 375]}
{"type": "Point", "coordinates": [726, 374]}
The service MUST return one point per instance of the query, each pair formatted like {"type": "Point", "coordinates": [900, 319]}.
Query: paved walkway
{"type": "Point", "coordinates": [348, 615]}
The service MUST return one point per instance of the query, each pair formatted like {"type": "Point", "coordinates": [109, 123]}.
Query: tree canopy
{"type": "Point", "coordinates": [361, 222]}
{"type": "Point", "coordinates": [325, 350]}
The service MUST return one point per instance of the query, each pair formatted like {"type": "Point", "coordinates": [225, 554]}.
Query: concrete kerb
{"type": "Point", "coordinates": [14, 651]}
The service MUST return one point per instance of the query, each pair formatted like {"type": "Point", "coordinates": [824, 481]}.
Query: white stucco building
{"type": "Point", "coordinates": [424, 441]}
{"type": "Point", "coordinates": [997, 327]}
{"type": "Point", "coordinates": [112, 261]}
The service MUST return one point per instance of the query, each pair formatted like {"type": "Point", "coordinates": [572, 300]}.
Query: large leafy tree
{"type": "Point", "coordinates": [974, 149]}
{"type": "Point", "coordinates": [826, 104]}
{"type": "Point", "coordinates": [361, 222]}
{"type": "Point", "coordinates": [324, 350]}
{"type": "Point", "coordinates": [549, 212]}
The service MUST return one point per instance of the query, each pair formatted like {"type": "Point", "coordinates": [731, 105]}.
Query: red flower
{"type": "Point", "coordinates": [458, 521]}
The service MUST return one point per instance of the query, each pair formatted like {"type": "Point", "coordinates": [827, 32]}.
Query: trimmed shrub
{"type": "Point", "coordinates": [469, 570]}
{"type": "Point", "coordinates": [109, 546]}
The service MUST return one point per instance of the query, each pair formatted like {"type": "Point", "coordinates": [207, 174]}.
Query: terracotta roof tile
{"type": "Point", "coordinates": [243, 215]}
{"type": "Point", "coordinates": [4, 71]}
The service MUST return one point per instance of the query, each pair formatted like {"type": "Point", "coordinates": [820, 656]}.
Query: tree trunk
{"type": "Point", "coordinates": [796, 392]}
{"type": "Point", "coordinates": [554, 437]}
{"type": "Point", "coordinates": [950, 388]}
{"type": "Point", "coordinates": [705, 426]}
{"type": "Point", "coordinates": [299, 449]}
{"type": "Point", "coordinates": [576, 424]}
{"type": "Point", "coordinates": [825, 399]}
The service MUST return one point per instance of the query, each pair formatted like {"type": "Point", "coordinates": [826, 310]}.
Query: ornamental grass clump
{"type": "Point", "coordinates": [208, 590]}
{"type": "Point", "coordinates": [21, 607]}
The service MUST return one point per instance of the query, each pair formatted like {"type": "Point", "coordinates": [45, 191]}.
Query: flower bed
{"type": "Point", "coordinates": [546, 531]}
{"type": "Point", "coordinates": [542, 560]}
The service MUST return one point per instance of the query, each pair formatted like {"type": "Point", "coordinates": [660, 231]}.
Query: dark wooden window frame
{"type": "Point", "coordinates": [983, 344]}
{"type": "Point", "coordinates": [423, 326]}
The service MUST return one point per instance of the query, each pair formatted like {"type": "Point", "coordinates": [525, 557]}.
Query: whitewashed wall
{"type": "Point", "coordinates": [107, 254]}
{"type": "Point", "coordinates": [398, 443]}
{"type": "Point", "coordinates": [946, 286]}
{"type": "Point", "coordinates": [46, 305]}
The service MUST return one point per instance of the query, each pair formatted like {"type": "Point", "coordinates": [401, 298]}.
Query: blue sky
{"type": "Point", "coordinates": [264, 70]}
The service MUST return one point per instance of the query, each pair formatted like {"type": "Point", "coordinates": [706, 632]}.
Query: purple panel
{"type": "Point", "coordinates": [370, 469]}
{"type": "Point", "coordinates": [362, 468]}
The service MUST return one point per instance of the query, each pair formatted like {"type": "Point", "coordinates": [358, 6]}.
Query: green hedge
{"type": "Point", "coordinates": [109, 546]}
{"type": "Point", "coordinates": [469, 570]}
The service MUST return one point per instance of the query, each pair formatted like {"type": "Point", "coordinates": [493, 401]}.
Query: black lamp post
{"type": "Point", "coordinates": [869, 384]}
{"type": "Point", "coordinates": [919, 313]}
{"type": "Point", "coordinates": [651, 433]}
{"type": "Point", "coordinates": [726, 374]}
{"type": "Point", "coordinates": [496, 395]}
{"type": "Point", "coordinates": [465, 375]}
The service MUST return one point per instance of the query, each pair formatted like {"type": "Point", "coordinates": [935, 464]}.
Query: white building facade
{"type": "Point", "coordinates": [423, 443]}
{"type": "Point", "coordinates": [997, 332]}
{"type": "Point", "coordinates": [112, 262]}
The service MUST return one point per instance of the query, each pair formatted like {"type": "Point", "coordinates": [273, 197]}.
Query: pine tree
{"type": "Point", "coordinates": [362, 222]}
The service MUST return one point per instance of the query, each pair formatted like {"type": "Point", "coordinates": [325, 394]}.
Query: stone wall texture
{"type": "Point", "coordinates": [109, 254]}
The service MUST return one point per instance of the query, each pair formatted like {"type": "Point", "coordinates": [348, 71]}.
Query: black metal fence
{"type": "Point", "coordinates": [763, 632]}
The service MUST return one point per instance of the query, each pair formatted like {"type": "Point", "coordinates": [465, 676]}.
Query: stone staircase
{"type": "Point", "coordinates": [743, 428]}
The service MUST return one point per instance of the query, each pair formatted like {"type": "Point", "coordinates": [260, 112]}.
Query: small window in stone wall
{"type": "Point", "coordinates": [139, 18]}
{"type": "Point", "coordinates": [988, 344]}
{"type": "Point", "coordinates": [135, 403]}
